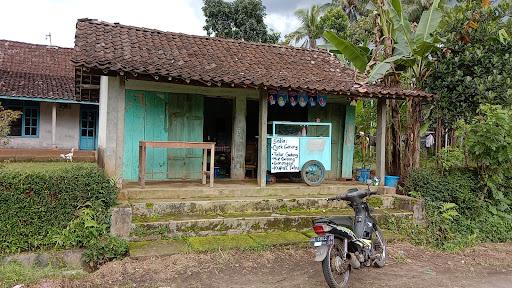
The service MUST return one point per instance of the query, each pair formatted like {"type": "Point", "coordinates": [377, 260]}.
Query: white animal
{"type": "Point", "coordinates": [69, 156]}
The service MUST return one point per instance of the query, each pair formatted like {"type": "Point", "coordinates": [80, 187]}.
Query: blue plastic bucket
{"type": "Point", "coordinates": [363, 175]}
{"type": "Point", "coordinates": [391, 181]}
{"type": "Point", "coordinates": [216, 171]}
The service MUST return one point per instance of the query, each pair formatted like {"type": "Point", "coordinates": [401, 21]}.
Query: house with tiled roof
{"type": "Point", "coordinates": [161, 87]}
{"type": "Point", "coordinates": [39, 81]}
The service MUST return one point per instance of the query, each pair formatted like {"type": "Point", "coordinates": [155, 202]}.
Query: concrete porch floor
{"type": "Point", "coordinates": [226, 189]}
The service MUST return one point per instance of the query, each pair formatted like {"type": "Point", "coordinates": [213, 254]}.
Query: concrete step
{"type": "Point", "coordinates": [238, 225]}
{"type": "Point", "coordinates": [229, 190]}
{"type": "Point", "coordinates": [165, 209]}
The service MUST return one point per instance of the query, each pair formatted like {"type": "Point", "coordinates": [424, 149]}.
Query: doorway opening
{"type": "Point", "coordinates": [218, 126]}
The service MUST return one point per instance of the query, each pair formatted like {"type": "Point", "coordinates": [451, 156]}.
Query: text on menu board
{"type": "Point", "coordinates": [284, 156]}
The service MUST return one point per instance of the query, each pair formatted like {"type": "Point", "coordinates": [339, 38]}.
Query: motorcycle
{"type": "Point", "coordinates": [344, 243]}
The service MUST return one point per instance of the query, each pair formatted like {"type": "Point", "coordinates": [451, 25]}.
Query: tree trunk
{"type": "Point", "coordinates": [412, 144]}
{"type": "Point", "coordinates": [396, 144]}
{"type": "Point", "coordinates": [312, 43]}
{"type": "Point", "coordinates": [439, 135]}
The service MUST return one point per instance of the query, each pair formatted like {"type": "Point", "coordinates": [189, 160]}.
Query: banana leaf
{"type": "Point", "coordinates": [352, 53]}
{"type": "Point", "coordinates": [429, 22]}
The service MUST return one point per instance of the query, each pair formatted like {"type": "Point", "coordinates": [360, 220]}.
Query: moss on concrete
{"type": "Point", "coordinates": [145, 231]}
{"type": "Point", "coordinates": [225, 242]}
{"type": "Point", "coordinates": [375, 202]}
{"type": "Point", "coordinates": [309, 233]}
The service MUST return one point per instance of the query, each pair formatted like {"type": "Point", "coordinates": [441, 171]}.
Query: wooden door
{"type": "Point", "coordinates": [185, 124]}
{"type": "Point", "coordinates": [88, 127]}
{"type": "Point", "coordinates": [145, 119]}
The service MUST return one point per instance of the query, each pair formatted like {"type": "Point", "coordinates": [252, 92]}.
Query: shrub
{"type": "Point", "coordinates": [455, 186]}
{"type": "Point", "coordinates": [488, 143]}
{"type": "Point", "coordinates": [451, 158]}
{"type": "Point", "coordinates": [103, 250]}
{"type": "Point", "coordinates": [457, 217]}
{"type": "Point", "coordinates": [41, 201]}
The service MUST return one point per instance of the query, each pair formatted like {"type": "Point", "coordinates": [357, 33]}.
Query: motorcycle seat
{"type": "Point", "coordinates": [345, 221]}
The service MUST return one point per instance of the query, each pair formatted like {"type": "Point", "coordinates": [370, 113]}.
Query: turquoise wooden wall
{"type": "Point", "coordinates": [145, 119]}
{"type": "Point", "coordinates": [185, 124]}
{"type": "Point", "coordinates": [160, 116]}
{"type": "Point", "coordinates": [348, 141]}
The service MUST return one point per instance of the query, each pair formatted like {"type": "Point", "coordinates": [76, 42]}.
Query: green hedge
{"type": "Point", "coordinates": [457, 186]}
{"type": "Point", "coordinates": [457, 216]}
{"type": "Point", "coordinates": [39, 200]}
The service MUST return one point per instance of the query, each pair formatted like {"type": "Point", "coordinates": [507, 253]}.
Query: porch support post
{"type": "Point", "coordinates": [381, 139]}
{"type": "Point", "coordinates": [348, 142]}
{"type": "Point", "coordinates": [54, 124]}
{"type": "Point", "coordinates": [238, 144]}
{"type": "Point", "coordinates": [262, 139]}
{"type": "Point", "coordinates": [111, 126]}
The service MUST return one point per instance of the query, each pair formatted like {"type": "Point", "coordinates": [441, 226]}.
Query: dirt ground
{"type": "Point", "coordinates": [489, 265]}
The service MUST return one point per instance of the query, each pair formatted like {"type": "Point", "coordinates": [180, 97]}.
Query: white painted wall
{"type": "Point", "coordinates": [67, 135]}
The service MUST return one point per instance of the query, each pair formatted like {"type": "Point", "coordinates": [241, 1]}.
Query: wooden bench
{"type": "Point", "coordinates": [179, 145]}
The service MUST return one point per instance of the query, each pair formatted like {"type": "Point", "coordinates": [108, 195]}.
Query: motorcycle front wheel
{"type": "Point", "coordinates": [379, 248]}
{"type": "Point", "coordinates": [336, 267]}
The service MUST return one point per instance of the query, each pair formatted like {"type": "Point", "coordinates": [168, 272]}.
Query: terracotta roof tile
{"type": "Point", "coordinates": [120, 48]}
{"type": "Point", "coordinates": [37, 71]}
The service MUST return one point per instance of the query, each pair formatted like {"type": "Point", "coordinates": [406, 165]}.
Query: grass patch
{"type": "Point", "coordinates": [224, 242]}
{"type": "Point", "coordinates": [42, 166]}
{"type": "Point", "coordinates": [15, 273]}
{"type": "Point", "coordinates": [279, 238]}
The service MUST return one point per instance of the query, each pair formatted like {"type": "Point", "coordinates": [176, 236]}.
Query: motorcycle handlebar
{"type": "Point", "coordinates": [342, 196]}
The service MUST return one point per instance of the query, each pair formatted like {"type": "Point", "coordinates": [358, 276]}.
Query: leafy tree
{"type": "Point", "coordinates": [488, 143]}
{"type": "Point", "coordinates": [311, 28]}
{"type": "Point", "coordinates": [6, 118]}
{"type": "Point", "coordinates": [361, 32]}
{"type": "Point", "coordinates": [335, 20]}
{"type": "Point", "coordinates": [474, 66]}
{"type": "Point", "coordinates": [240, 19]}
{"type": "Point", "coordinates": [353, 8]}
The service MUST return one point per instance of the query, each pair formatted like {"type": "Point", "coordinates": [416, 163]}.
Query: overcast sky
{"type": "Point", "coordinates": [31, 20]}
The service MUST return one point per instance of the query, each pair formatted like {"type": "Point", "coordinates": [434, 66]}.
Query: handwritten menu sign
{"type": "Point", "coordinates": [284, 156]}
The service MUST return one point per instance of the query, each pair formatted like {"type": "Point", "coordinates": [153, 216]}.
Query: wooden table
{"type": "Point", "coordinates": [179, 145]}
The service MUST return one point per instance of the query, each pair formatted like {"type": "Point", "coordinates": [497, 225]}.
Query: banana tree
{"type": "Point", "coordinates": [411, 60]}
{"type": "Point", "coordinates": [412, 46]}
{"type": "Point", "coordinates": [406, 53]}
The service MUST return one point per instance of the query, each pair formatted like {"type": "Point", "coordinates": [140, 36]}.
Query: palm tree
{"type": "Point", "coordinates": [310, 29]}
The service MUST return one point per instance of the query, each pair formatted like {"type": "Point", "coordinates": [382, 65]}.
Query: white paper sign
{"type": "Point", "coordinates": [284, 156]}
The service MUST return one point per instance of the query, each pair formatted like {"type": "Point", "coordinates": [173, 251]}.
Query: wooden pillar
{"type": "Point", "coordinates": [262, 139]}
{"type": "Point", "coordinates": [348, 142]}
{"type": "Point", "coordinates": [238, 142]}
{"type": "Point", "coordinates": [381, 139]}
{"type": "Point", "coordinates": [54, 124]}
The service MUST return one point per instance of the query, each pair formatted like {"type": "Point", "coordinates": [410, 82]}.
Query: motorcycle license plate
{"type": "Point", "coordinates": [327, 239]}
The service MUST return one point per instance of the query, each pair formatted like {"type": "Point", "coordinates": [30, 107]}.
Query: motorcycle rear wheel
{"type": "Point", "coordinates": [336, 270]}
